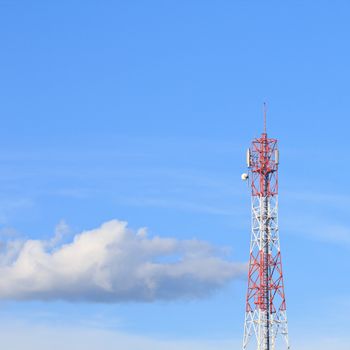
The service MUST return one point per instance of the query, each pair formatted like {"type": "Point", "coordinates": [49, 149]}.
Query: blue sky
{"type": "Point", "coordinates": [142, 112]}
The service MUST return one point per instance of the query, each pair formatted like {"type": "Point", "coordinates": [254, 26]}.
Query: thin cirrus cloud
{"type": "Point", "coordinates": [113, 264]}
{"type": "Point", "coordinates": [38, 337]}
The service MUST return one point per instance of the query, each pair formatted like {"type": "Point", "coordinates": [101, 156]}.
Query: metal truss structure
{"type": "Point", "coordinates": [265, 314]}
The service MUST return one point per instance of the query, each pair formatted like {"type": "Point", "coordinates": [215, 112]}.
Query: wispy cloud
{"type": "Point", "coordinates": [328, 199]}
{"type": "Point", "coordinates": [39, 338]}
{"type": "Point", "coordinates": [323, 217]}
{"type": "Point", "coordinates": [11, 206]}
{"type": "Point", "coordinates": [31, 337]}
{"type": "Point", "coordinates": [319, 229]}
{"type": "Point", "coordinates": [180, 205]}
{"type": "Point", "coordinates": [113, 264]}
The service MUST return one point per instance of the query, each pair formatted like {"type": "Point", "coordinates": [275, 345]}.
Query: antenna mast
{"type": "Point", "coordinates": [265, 314]}
{"type": "Point", "coordinates": [265, 112]}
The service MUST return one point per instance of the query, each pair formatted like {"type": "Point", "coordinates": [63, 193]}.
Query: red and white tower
{"type": "Point", "coordinates": [265, 314]}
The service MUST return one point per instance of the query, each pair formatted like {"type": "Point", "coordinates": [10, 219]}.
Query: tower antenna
{"type": "Point", "coordinates": [265, 112]}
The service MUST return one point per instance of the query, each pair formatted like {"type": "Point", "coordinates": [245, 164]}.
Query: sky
{"type": "Point", "coordinates": [124, 222]}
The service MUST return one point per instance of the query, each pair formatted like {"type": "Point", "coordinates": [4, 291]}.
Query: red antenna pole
{"type": "Point", "coordinates": [265, 112]}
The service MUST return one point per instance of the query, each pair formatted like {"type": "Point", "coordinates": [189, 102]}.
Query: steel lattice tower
{"type": "Point", "coordinates": [265, 314]}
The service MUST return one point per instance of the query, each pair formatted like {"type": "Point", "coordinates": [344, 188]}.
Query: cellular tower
{"type": "Point", "coordinates": [265, 315]}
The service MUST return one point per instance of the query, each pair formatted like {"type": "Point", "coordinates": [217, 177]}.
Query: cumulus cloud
{"type": "Point", "coordinates": [113, 264]}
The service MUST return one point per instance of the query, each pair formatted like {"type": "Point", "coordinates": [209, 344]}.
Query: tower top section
{"type": "Point", "coordinates": [262, 162]}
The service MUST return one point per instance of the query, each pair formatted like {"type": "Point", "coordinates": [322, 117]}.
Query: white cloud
{"type": "Point", "coordinates": [31, 337]}
{"type": "Point", "coordinates": [113, 264]}
{"type": "Point", "coordinates": [56, 338]}
{"type": "Point", "coordinates": [61, 230]}
{"type": "Point", "coordinates": [176, 204]}
{"type": "Point", "coordinates": [320, 229]}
